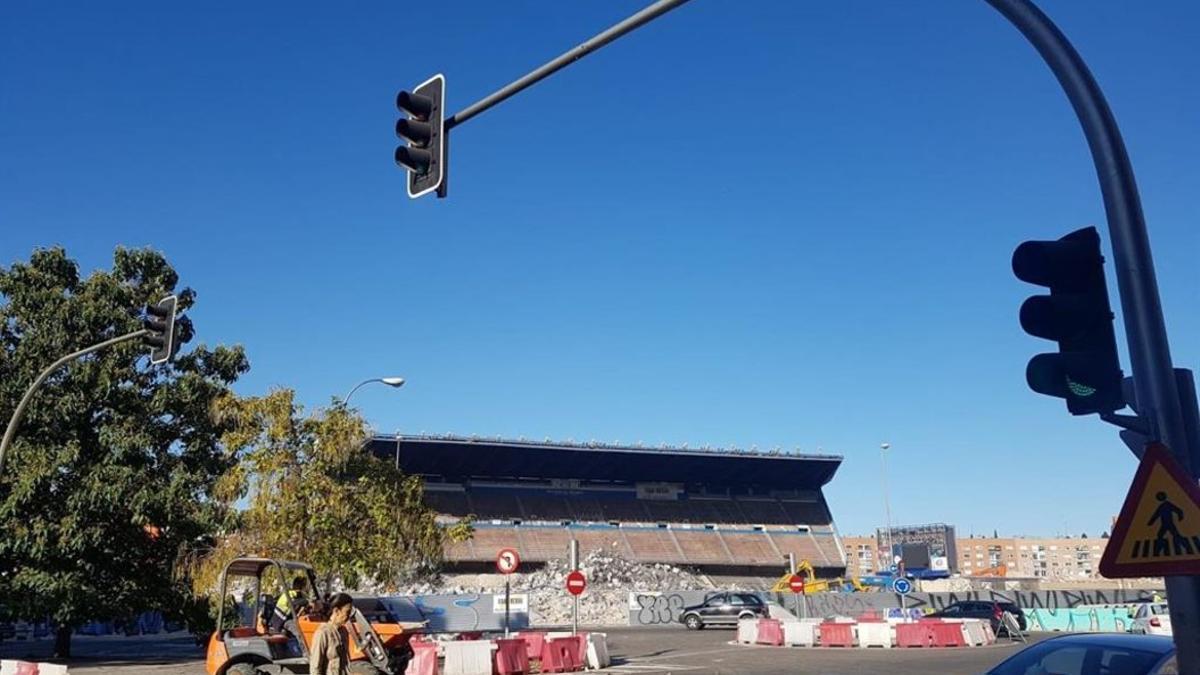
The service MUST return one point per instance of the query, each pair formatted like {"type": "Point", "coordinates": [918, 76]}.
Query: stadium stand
{"type": "Point", "coordinates": [733, 515]}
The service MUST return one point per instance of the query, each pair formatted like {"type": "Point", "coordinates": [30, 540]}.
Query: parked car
{"type": "Point", "coordinates": [1089, 653]}
{"type": "Point", "coordinates": [982, 609]}
{"type": "Point", "coordinates": [1151, 618]}
{"type": "Point", "coordinates": [724, 609]}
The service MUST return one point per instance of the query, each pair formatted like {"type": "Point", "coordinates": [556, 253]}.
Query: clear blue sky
{"type": "Point", "coordinates": [771, 223]}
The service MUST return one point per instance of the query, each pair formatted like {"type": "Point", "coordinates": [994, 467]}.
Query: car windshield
{"type": "Point", "coordinates": [1064, 657]}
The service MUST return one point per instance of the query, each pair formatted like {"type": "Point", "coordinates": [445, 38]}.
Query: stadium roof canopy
{"type": "Point", "coordinates": [460, 458]}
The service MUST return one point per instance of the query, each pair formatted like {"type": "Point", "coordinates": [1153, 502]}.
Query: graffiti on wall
{"type": "Point", "coordinates": [664, 608]}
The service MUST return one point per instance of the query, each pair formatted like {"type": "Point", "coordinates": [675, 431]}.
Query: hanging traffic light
{"type": "Point", "coordinates": [1085, 371]}
{"type": "Point", "coordinates": [425, 154]}
{"type": "Point", "coordinates": [160, 322]}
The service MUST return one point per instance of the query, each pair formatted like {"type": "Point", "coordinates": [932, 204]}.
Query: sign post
{"type": "Point", "coordinates": [903, 587]}
{"type": "Point", "coordinates": [796, 583]}
{"type": "Point", "coordinates": [507, 562]}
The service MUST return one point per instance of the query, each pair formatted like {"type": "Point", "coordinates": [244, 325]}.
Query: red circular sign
{"type": "Point", "coordinates": [576, 582]}
{"type": "Point", "coordinates": [796, 583]}
{"type": "Point", "coordinates": [507, 560]}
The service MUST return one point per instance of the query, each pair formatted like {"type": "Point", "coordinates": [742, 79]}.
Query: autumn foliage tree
{"type": "Point", "coordinates": [112, 469]}
{"type": "Point", "coordinates": [312, 492]}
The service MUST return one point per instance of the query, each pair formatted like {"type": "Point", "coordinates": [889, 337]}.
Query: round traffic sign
{"type": "Point", "coordinates": [507, 561]}
{"type": "Point", "coordinates": [796, 583]}
{"type": "Point", "coordinates": [902, 586]}
{"type": "Point", "coordinates": [576, 582]}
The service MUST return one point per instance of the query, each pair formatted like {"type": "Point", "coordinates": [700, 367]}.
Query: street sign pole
{"type": "Point", "coordinates": [1157, 395]}
{"type": "Point", "coordinates": [507, 593]}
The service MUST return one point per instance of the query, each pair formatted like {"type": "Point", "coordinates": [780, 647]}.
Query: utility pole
{"type": "Point", "coordinates": [1163, 414]}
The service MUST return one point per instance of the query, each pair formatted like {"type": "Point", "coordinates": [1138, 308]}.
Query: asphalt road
{"type": "Point", "coordinates": [635, 652]}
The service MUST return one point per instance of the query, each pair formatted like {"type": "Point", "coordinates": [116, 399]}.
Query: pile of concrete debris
{"type": "Point", "coordinates": [610, 580]}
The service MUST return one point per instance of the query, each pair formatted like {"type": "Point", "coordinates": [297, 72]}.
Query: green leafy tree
{"type": "Point", "coordinates": [111, 471]}
{"type": "Point", "coordinates": [312, 493]}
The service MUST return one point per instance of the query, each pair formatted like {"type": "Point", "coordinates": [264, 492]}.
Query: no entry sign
{"type": "Point", "coordinates": [576, 583]}
{"type": "Point", "coordinates": [796, 583]}
{"type": "Point", "coordinates": [507, 561]}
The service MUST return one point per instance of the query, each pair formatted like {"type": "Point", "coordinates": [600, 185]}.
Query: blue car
{"type": "Point", "coordinates": [1089, 653]}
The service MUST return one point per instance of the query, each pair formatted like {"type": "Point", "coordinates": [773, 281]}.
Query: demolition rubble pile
{"type": "Point", "coordinates": [610, 580]}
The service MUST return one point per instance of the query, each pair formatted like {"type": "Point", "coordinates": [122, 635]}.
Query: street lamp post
{"type": "Point", "coordinates": [394, 382]}
{"type": "Point", "coordinates": [887, 507]}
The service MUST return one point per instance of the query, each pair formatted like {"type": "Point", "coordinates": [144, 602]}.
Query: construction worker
{"type": "Point", "coordinates": [329, 654]}
{"type": "Point", "coordinates": [294, 599]}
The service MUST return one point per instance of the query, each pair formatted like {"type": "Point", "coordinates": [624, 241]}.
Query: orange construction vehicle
{"type": "Point", "coordinates": [248, 645]}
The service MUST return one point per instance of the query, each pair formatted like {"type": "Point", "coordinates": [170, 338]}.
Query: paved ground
{"type": "Point", "coordinates": [635, 652]}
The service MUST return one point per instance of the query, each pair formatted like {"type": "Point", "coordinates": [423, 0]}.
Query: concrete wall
{"type": "Point", "coordinates": [665, 608]}
{"type": "Point", "coordinates": [455, 613]}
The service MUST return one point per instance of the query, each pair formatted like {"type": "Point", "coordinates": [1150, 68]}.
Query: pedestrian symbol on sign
{"type": "Point", "coordinates": [1165, 514]}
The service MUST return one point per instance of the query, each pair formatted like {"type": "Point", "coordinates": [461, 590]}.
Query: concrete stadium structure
{"type": "Point", "coordinates": [727, 513]}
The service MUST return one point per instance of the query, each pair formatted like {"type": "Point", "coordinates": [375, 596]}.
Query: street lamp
{"type": "Point", "coordinates": [394, 382]}
{"type": "Point", "coordinates": [887, 508]}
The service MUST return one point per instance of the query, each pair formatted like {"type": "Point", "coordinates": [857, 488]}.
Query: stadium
{"type": "Point", "coordinates": [731, 515]}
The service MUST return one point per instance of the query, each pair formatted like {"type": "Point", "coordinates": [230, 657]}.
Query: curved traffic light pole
{"type": "Point", "coordinates": [15, 420]}
{"type": "Point", "coordinates": [1154, 377]}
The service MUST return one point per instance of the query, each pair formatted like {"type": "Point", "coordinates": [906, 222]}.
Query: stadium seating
{"type": "Point", "coordinates": [500, 504]}
{"type": "Point", "coordinates": [652, 545]}
{"type": "Point", "coordinates": [543, 543]}
{"type": "Point", "coordinates": [448, 503]}
{"type": "Point", "coordinates": [545, 507]}
{"type": "Point", "coordinates": [762, 512]}
{"type": "Point", "coordinates": [751, 548]}
{"type": "Point", "coordinates": [702, 546]}
{"type": "Point", "coordinates": [704, 530]}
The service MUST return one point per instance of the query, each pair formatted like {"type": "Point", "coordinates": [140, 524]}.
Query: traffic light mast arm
{"type": "Point", "coordinates": [565, 59]}
{"type": "Point", "coordinates": [15, 420]}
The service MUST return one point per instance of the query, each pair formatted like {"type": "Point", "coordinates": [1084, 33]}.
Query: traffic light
{"type": "Point", "coordinates": [425, 154]}
{"type": "Point", "coordinates": [160, 322]}
{"type": "Point", "coordinates": [1076, 315]}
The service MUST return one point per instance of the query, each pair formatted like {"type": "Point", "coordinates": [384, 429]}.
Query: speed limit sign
{"type": "Point", "coordinates": [507, 561]}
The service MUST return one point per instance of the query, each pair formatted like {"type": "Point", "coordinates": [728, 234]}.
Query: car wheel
{"type": "Point", "coordinates": [746, 615]}
{"type": "Point", "coordinates": [243, 669]}
{"type": "Point", "coordinates": [693, 622]}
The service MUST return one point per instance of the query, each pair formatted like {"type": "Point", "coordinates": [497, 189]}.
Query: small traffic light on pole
{"type": "Point", "coordinates": [160, 322]}
{"type": "Point", "coordinates": [1085, 371]}
{"type": "Point", "coordinates": [424, 156]}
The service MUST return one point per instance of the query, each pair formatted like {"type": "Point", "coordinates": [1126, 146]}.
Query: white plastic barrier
{"type": "Point", "coordinates": [14, 667]}
{"type": "Point", "coordinates": [976, 636]}
{"type": "Point", "coordinates": [872, 634]}
{"type": "Point", "coordinates": [597, 651]}
{"type": "Point", "coordinates": [800, 633]}
{"type": "Point", "coordinates": [747, 631]}
{"type": "Point", "coordinates": [469, 657]}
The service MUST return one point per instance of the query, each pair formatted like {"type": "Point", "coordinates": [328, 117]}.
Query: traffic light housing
{"type": "Point", "coordinates": [1085, 371]}
{"type": "Point", "coordinates": [160, 322]}
{"type": "Point", "coordinates": [424, 154]}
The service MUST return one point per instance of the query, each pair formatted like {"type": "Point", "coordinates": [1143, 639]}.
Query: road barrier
{"type": "Point", "coordinates": [12, 667]}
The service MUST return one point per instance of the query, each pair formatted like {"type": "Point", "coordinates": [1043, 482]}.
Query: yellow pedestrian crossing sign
{"type": "Point", "coordinates": [1158, 531]}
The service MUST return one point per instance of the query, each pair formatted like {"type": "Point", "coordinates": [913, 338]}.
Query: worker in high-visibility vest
{"type": "Point", "coordinates": [294, 599]}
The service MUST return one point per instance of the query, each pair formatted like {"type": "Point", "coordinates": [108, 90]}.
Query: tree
{"type": "Point", "coordinates": [1083, 536]}
{"type": "Point", "coordinates": [111, 471]}
{"type": "Point", "coordinates": [1104, 535]}
{"type": "Point", "coordinates": [995, 534]}
{"type": "Point", "coordinates": [312, 493]}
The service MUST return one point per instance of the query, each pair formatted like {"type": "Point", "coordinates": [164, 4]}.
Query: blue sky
{"type": "Point", "coordinates": [772, 223]}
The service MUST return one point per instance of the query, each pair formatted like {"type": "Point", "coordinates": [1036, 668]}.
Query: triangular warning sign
{"type": "Point", "coordinates": [1158, 531]}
